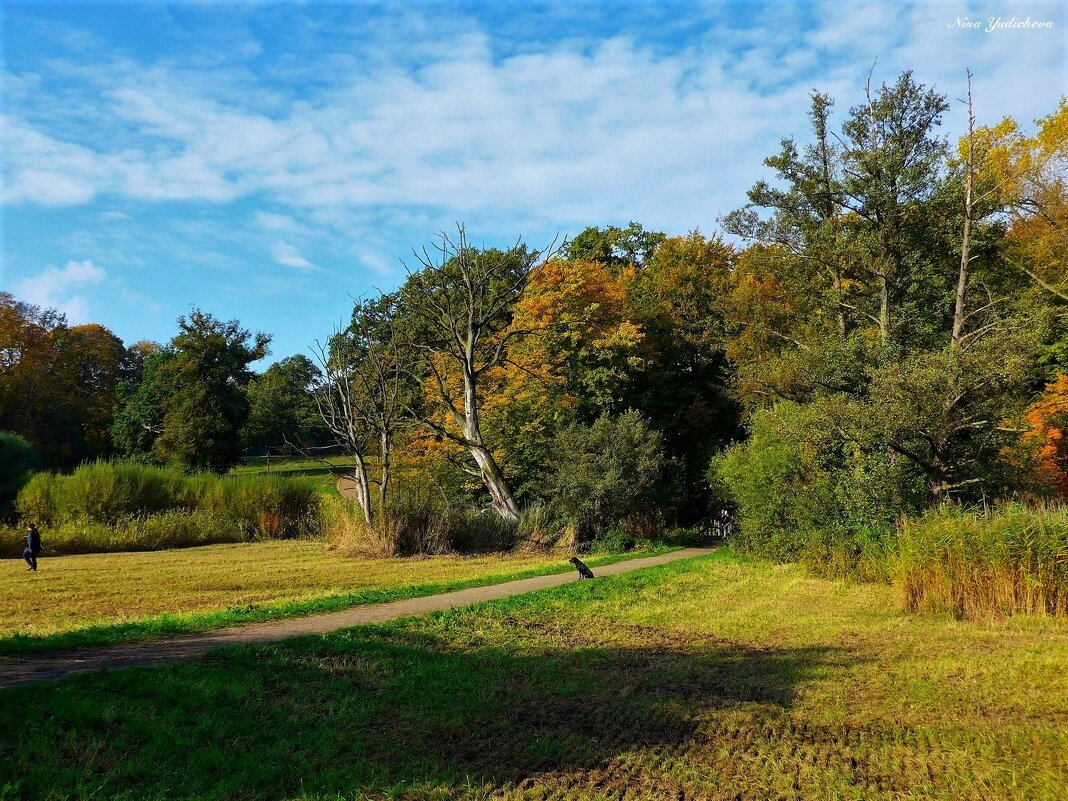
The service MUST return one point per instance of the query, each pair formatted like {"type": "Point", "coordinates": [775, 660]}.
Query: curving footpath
{"type": "Point", "coordinates": [15, 671]}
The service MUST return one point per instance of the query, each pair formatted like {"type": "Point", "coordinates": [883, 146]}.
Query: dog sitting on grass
{"type": "Point", "coordinates": [580, 566]}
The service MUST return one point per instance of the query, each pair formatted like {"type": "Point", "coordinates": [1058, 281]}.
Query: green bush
{"type": "Point", "coordinates": [607, 474]}
{"type": "Point", "coordinates": [103, 492]}
{"type": "Point", "coordinates": [779, 483]}
{"type": "Point", "coordinates": [18, 460]}
{"type": "Point", "coordinates": [985, 563]}
{"type": "Point", "coordinates": [801, 493]}
{"type": "Point", "coordinates": [270, 506]}
{"type": "Point", "coordinates": [36, 500]}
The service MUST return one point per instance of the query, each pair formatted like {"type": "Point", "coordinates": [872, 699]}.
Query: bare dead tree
{"type": "Point", "coordinates": [460, 301]}
{"type": "Point", "coordinates": [966, 239]}
{"type": "Point", "coordinates": [383, 368]}
{"type": "Point", "coordinates": [365, 395]}
{"type": "Point", "coordinates": [345, 415]}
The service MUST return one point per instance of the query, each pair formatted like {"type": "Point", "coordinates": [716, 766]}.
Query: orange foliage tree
{"type": "Point", "coordinates": [1047, 435]}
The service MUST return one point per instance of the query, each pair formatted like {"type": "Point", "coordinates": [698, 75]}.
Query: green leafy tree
{"type": "Point", "coordinates": [201, 387]}
{"type": "Point", "coordinates": [282, 409]}
{"type": "Point", "coordinates": [613, 246]}
{"type": "Point", "coordinates": [138, 420]}
{"type": "Point", "coordinates": [18, 460]}
{"type": "Point", "coordinates": [857, 297]}
{"type": "Point", "coordinates": [607, 472]}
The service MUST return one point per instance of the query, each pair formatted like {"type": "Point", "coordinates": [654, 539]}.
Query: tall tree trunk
{"type": "Point", "coordinates": [385, 452]}
{"type": "Point", "coordinates": [966, 241]}
{"type": "Point", "coordinates": [501, 498]}
{"type": "Point", "coordinates": [363, 489]}
{"type": "Point", "coordinates": [837, 288]}
{"type": "Point", "coordinates": [884, 308]}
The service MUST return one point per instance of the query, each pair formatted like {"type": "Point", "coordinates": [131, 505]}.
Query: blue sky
{"type": "Point", "coordinates": [267, 161]}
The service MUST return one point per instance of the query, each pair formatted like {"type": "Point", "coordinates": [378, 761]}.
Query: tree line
{"type": "Point", "coordinates": [889, 333]}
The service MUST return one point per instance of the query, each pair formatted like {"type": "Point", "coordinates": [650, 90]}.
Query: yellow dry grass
{"type": "Point", "coordinates": [72, 592]}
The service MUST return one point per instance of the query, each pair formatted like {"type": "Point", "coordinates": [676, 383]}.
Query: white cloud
{"type": "Point", "coordinates": [278, 223]}
{"type": "Point", "coordinates": [61, 288]}
{"type": "Point", "coordinates": [288, 256]}
{"type": "Point", "coordinates": [564, 134]}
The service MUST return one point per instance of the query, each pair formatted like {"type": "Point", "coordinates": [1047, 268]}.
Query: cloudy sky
{"type": "Point", "coordinates": [268, 161]}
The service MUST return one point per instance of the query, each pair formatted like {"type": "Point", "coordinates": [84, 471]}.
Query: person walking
{"type": "Point", "coordinates": [33, 547]}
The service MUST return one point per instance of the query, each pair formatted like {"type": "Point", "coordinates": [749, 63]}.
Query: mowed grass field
{"type": "Point", "coordinates": [715, 678]}
{"type": "Point", "coordinates": [98, 598]}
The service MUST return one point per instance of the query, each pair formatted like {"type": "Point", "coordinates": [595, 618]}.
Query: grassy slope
{"type": "Point", "coordinates": [325, 478]}
{"type": "Point", "coordinates": [102, 598]}
{"type": "Point", "coordinates": [714, 678]}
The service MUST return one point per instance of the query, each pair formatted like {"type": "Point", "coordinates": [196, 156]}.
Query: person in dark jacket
{"type": "Point", "coordinates": [33, 547]}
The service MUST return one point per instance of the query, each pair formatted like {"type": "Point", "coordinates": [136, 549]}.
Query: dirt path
{"type": "Point", "coordinates": [49, 667]}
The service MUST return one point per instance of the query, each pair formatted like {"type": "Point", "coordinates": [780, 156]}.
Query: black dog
{"type": "Point", "coordinates": [580, 566]}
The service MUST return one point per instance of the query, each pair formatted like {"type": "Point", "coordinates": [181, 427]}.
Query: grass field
{"type": "Point", "coordinates": [99, 598]}
{"type": "Point", "coordinates": [298, 466]}
{"type": "Point", "coordinates": [708, 679]}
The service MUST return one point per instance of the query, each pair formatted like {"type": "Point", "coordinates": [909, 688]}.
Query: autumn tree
{"type": "Point", "coordinates": [58, 383]}
{"type": "Point", "coordinates": [683, 382]}
{"type": "Point", "coordinates": [458, 308]}
{"type": "Point", "coordinates": [1045, 441]}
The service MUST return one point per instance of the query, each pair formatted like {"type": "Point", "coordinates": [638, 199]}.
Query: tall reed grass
{"type": "Point", "coordinates": [984, 564]}
{"type": "Point", "coordinates": [417, 524]}
{"type": "Point", "coordinates": [105, 506]}
{"type": "Point", "coordinates": [177, 528]}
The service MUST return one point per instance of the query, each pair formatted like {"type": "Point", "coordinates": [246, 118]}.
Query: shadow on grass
{"type": "Point", "coordinates": [379, 710]}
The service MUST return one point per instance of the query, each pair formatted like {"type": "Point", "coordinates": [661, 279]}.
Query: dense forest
{"type": "Point", "coordinates": [884, 332]}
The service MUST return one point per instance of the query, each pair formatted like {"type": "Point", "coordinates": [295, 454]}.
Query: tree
{"type": "Point", "coordinates": [459, 307]}
{"type": "Point", "coordinates": [878, 295]}
{"type": "Point", "coordinates": [609, 471]}
{"type": "Point", "coordinates": [682, 384]}
{"type": "Point", "coordinates": [139, 413]}
{"type": "Point", "coordinates": [29, 389]}
{"type": "Point", "coordinates": [1045, 440]}
{"type": "Point", "coordinates": [366, 393]}
{"type": "Point", "coordinates": [93, 362]}
{"type": "Point", "coordinates": [614, 247]}
{"type": "Point", "coordinates": [205, 407]}
{"type": "Point", "coordinates": [58, 383]}
{"type": "Point", "coordinates": [282, 408]}
{"type": "Point", "coordinates": [18, 460]}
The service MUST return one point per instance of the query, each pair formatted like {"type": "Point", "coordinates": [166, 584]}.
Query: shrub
{"type": "Point", "coordinates": [603, 474]}
{"type": "Point", "coordinates": [36, 500]}
{"type": "Point", "coordinates": [103, 492]}
{"type": "Point", "coordinates": [18, 460]}
{"type": "Point", "coordinates": [803, 493]}
{"type": "Point", "coordinates": [416, 523]}
{"type": "Point", "coordinates": [269, 506]}
{"type": "Point", "coordinates": [778, 482]}
{"type": "Point", "coordinates": [982, 564]}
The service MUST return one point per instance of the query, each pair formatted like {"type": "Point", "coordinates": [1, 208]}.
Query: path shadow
{"type": "Point", "coordinates": [381, 709]}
